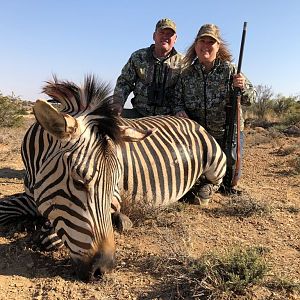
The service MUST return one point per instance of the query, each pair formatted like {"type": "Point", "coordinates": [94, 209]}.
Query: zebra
{"type": "Point", "coordinates": [83, 159]}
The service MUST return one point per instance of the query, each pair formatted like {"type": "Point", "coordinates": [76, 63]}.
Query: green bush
{"type": "Point", "coordinates": [11, 111]}
{"type": "Point", "coordinates": [287, 109]}
{"type": "Point", "coordinates": [293, 114]}
{"type": "Point", "coordinates": [233, 272]}
{"type": "Point", "coordinates": [282, 105]}
{"type": "Point", "coordinates": [291, 119]}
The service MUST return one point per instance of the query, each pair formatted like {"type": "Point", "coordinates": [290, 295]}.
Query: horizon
{"type": "Point", "coordinates": [72, 40]}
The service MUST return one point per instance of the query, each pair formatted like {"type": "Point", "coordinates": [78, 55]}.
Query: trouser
{"type": "Point", "coordinates": [242, 140]}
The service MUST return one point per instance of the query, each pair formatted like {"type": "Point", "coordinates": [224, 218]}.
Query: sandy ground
{"type": "Point", "coordinates": [149, 255]}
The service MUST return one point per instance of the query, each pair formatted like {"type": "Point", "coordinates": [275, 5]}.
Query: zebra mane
{"type": "Point", "coordinates": [92, 99]}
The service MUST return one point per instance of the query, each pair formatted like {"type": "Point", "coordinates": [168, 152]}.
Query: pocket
{"type": "Point", "coordinates": [141, 72]}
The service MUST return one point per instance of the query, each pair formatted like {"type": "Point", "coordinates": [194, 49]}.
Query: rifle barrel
{"type": "Point", "coordinates": [242, 48]}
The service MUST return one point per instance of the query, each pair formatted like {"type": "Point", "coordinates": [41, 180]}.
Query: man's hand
{"type": "Point", "coordinates": [117, 108]}
{"type": "Point", "coordinates": [181, 114]}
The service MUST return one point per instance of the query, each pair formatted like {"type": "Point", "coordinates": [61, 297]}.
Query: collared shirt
{"type": "Point", "coordinates": [204, 96]}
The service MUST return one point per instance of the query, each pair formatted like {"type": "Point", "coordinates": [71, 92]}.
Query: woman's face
{"type": "Point", "coordinates": [206, 49]}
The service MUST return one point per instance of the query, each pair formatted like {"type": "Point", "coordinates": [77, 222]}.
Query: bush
{"type": "Point", "coordinates": [11, 111]}
{"type": "Point", "coordinates": [263, 102]}
{"type": "Point", "coordinates": [291, 119]}
{"type": "Point", "coordinates": [234, 272]}
{"type": "Point", "coordinates": [287, 109]}
{"type": "Point", "coordinates": [214, 276]}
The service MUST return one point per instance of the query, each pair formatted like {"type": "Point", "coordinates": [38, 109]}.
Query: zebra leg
{"type": "Point", "coordinates": [16, 206]}
{"type": "Point", "coordinates": [119, 220]}
{"type": "Point", "coordinates": [46, 238]}
{"type": "Point", "coordinates": [204, 190]}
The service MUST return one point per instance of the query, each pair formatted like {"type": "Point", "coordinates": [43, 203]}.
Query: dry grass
{"type": "Point", "coordinates": [142, 212]}
{"type": "Point", "coordinates": [242, 206]}
{"type": "Point", "coordinates": [213, 276]}
{"type": "Point", "coordinates": [295, 165]}
{"type": "Point", "coordinates": [287, 150]}
{"type": "Point", "coordinates": [285, 285]}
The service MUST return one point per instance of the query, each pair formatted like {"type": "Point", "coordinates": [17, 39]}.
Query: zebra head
{"type": "Point", "coordinates": [78, 178]}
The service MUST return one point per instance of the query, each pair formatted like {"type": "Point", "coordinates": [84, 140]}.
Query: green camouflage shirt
{"type": "Point", "coordinates": [204, 96]}
{"type": "Point", "coordinates": [151, 80]}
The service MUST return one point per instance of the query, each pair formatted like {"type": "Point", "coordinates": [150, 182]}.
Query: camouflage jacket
{"type": "Point", "coordinates": [151, 80]}
{"type": "Point", "coordinates": [204, 96]}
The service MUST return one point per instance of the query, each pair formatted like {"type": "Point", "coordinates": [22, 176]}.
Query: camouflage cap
{"type": "Point", "coordinates": [165, 23]}
{"type": "Point", "coordinates": [209, 30]}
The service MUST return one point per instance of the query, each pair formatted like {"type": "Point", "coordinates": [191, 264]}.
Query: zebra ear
{"type": "Point", "coordinates": [58, 124]}
{"type": "Point", "coordinates": [131, 134]}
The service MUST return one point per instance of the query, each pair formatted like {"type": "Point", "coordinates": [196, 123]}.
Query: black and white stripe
{"type": "Point", "coordinates": [164, 167]}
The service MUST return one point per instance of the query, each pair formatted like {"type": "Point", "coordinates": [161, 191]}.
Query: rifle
{"type": "Point", "coordinates": [231, 139]}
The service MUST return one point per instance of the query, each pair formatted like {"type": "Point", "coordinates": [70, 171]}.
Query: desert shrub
{"type": "Point", "coordinates": [287, 109]}
{"type": "Point", "coordinates": [225, 276]}
{"type": "Point", "coordinates": [211, 276]}
{"type": "Point", "coordinates": [245, 206]}
{"type": "Point", "coordinates": [11, 111]}
{"type": "Point", "coordinates": [242, 206]}
{"type": "Point", "coordinates": [292, 118]}
{"type": "Point", "coordinates": [233, 272]}
{"type": "Point", "coordinates": [263, 102]}
{"type": "Point", "coordinates": [282, 105]}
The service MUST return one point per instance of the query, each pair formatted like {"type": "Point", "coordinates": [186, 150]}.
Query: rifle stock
{"type": "Point", "coordinates": [232, 129]}
{"type": "Point", "coordinates": [238, 143]}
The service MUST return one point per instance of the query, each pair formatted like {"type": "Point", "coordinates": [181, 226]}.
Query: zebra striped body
{"type": "Point", "coordinates": [161, 169]}
{"type": "Point", "coordinates": [84, 159]}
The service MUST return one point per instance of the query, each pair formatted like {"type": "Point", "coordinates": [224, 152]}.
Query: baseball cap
{"type": "Point", "coordinates": [209, 30]}
{"type": "Point", "coordinates": [165, 23]}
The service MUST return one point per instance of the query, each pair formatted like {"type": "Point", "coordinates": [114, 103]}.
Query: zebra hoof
{"type": "Point", "coordinates": [206, 191]}
{"type": "Point", "coordinates": [201, 201]}
{"type": "Point", "coordinates": [121, 221]}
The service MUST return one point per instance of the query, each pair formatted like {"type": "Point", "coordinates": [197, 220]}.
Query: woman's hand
{"type": "Point", "coordinates": [239, 81]}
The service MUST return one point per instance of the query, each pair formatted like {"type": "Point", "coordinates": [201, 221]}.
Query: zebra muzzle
{"type": "Point", "coordinates": [100, 264]}
{"type": "Point", "coordinates": [93, 266]}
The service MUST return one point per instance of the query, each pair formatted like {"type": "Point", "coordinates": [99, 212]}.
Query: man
{"type": "Point", "coordinates": [151, 74]}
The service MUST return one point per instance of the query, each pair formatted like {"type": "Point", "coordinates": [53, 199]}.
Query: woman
{"type": "Point", "coordinates": [205, 86]}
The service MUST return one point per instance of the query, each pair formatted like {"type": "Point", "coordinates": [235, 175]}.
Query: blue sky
{"type": "Point", "coordinates": [72, 38]}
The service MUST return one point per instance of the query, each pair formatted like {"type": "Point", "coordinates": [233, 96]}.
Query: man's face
{"type": "Point", "coordinates": [165, 39]}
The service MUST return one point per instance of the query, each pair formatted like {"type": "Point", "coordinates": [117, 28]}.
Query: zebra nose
{"type": "Point", "coordinates": [100, 264]}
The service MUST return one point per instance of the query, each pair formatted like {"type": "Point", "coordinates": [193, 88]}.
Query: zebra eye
{"type": "Point", "coordinates": [80, 185]}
